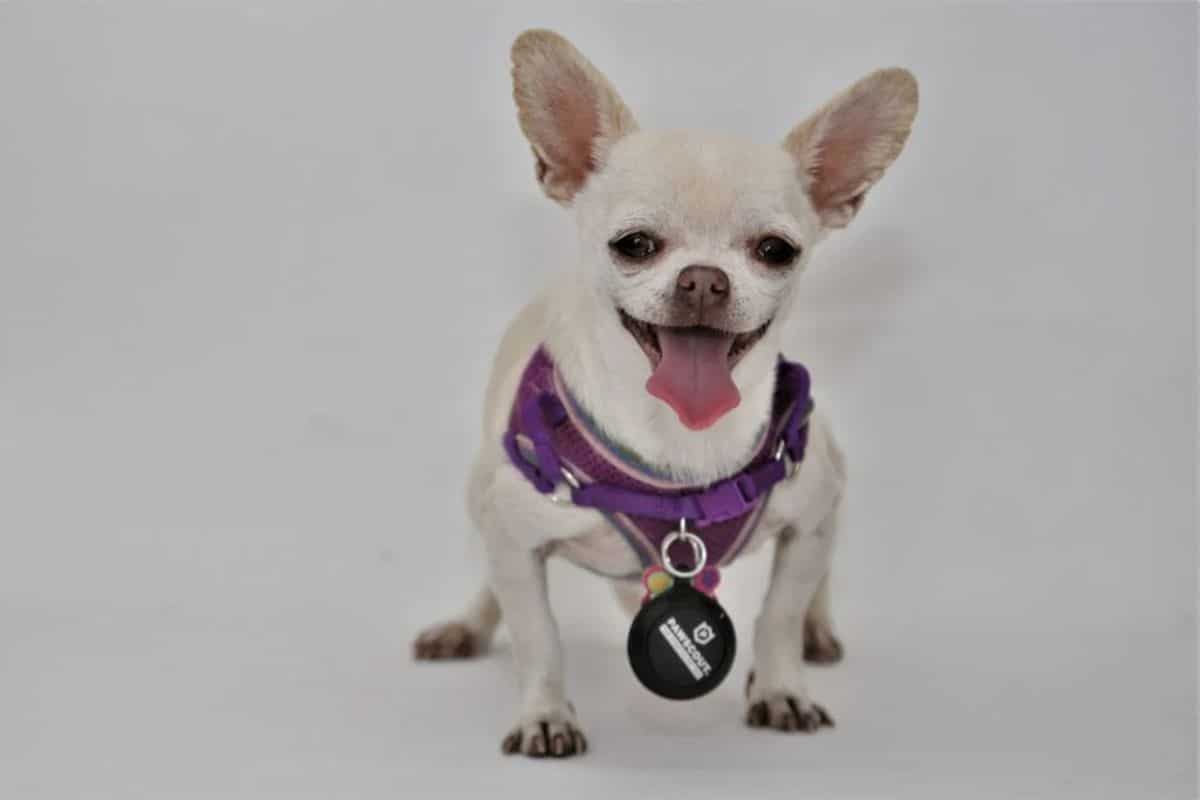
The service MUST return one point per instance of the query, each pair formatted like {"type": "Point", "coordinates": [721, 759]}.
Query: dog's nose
{"type": "Point", "coordinates": [702, 286]}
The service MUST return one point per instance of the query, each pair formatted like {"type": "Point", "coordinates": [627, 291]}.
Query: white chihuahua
{"type": "Point", "coordinates": [663, 346]}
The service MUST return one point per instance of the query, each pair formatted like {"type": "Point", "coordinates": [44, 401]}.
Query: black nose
{"type": "Point", "coordinates": [702, 286]}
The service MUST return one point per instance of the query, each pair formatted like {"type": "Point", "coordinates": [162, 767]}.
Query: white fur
{"type": "Point", "coordinates": [709, 198]}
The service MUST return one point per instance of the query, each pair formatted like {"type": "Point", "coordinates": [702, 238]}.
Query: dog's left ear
{"type": "Point", "coordinates": [844, 148]}
{"type": "Point", "coordinates": [568, 110]}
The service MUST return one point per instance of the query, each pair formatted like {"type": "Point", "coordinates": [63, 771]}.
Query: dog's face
{"type": "Point", "coordinates": [694, 243]}
{"type": "Point", "coordinates": [691, 243]}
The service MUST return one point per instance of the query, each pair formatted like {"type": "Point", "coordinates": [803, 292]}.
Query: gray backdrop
{"type": "Point", "coordinates": [254, 258]}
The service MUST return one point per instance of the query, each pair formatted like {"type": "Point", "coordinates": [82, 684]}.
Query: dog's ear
{"type": "Point", "coordinates": [568, 110]}
{"type": "Point", "coordinates": [844, 148]}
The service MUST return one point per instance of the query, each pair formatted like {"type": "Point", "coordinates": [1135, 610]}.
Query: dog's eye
{"type": "Point", "coordinates": [776, 252]}
{"type": "Point", "coordinates": [636, 246]}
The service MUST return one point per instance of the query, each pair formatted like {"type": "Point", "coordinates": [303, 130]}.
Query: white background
{"type": "Point", "coordinates": [254, 259]}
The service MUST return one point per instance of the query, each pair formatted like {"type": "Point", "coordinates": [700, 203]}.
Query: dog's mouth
{"type": "Point", "coordinates": [646, 334]}
{"type": "Point", "coordinates": [692, 365]}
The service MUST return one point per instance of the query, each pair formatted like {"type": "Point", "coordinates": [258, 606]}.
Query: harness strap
{"type": "Point", "coordinates": [721, 501]}
{"type": "Point", "coordinates": [539, 415]}
{"type": "Point", "coordinates": [795, 381]}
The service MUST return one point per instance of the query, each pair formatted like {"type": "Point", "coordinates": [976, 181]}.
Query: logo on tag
{"type": "Point", "coordinates": [703, 633]}
{"type": "Point", "coordinates": [686, 651]}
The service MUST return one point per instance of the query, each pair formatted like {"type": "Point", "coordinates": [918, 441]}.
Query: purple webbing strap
{"type": "Point", "coordinates": [539, 415]}
{"type": "Point", "coordinates": [794, 380]}
{"type": "Point", "coordinates": [724, 500]}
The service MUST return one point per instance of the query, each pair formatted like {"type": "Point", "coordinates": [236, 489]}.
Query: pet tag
{"type": "Point", "coordinates": [681, 643]}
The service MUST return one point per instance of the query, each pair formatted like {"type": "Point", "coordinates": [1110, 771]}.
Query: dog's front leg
{"type": "Point", "coordinates": [776, 693]}
{"type": "Point", "coordinates": [547, 725]}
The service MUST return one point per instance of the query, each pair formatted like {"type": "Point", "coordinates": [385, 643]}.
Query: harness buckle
{"type": "Point", "coordinates": [728, 499]}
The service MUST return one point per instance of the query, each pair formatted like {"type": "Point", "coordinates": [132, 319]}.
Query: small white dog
{"type": "Point", "coordinates": [662, 346]}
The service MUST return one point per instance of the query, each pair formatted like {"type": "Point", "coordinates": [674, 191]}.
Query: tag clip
{"type": "Point", "coordinates": [699, 551]}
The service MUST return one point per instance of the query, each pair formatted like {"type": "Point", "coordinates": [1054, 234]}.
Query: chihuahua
{"type": "Point", "coordinates": [666, 338]}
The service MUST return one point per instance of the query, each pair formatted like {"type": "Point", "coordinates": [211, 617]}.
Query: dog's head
{"type": "Point", "coordinates": [691, 243]}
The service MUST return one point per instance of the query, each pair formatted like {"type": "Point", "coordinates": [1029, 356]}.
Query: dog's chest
{"type": "Point", "coordinates": [606, 550]}
{"type": "Point", "coordinates": [601, 550]}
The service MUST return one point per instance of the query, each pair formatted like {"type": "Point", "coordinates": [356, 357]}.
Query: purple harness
{"type": "Point", "coordinates": [552, 440]}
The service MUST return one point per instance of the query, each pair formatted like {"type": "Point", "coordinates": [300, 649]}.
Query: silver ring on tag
{"type": "Point", "coordinates": [698, 550]}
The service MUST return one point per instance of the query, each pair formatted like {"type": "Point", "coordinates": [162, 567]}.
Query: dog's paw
{"type": "Point", "coordinates": [821, 646]}
{"type": "Point", "coordinates": [783, 711]}
{"type": "Point", "coordinates": [546, 735]}
{"type": "Point", "coordinates": [448, 640]}
{"type": "Point", "coordinates": [787, 713]}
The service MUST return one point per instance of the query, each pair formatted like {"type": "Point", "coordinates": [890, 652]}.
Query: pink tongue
{"type": "Point", "coordinates": [693, 377]}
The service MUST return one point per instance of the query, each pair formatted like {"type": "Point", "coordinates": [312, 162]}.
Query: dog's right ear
{"type": "Point", "coordinates": [568, 110]}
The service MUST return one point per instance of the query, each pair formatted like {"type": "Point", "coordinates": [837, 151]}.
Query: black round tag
{"type": "Point", "coordinates": [681, 644]}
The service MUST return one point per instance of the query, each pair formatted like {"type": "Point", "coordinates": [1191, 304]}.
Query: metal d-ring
{"type": "Point", "coordinates": [790, 468]}
{"type": "Point", "coordinates": [570, 478]}
{"type": "Point", "coordinates": [572, 483]}
{"type": "Point", "coordinates": [698, 550]}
